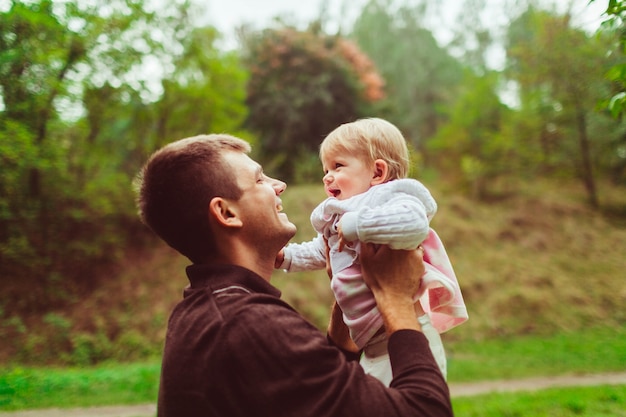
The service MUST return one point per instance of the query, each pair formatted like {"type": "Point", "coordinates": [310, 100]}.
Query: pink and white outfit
{"type": "Point", "coordinates": [396, 213]}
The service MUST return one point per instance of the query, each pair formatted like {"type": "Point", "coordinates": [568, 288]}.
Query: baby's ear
{"type": "Point", "coordinates": [381, 171]}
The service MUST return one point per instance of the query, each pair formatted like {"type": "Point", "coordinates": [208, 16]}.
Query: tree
{"type": "Point", "coordinates": [78, 117]}
{"type": "Point", "coordinates": [615, 23]}
{"type": "Point", "coordinates": [302, 85]}
{"type": "Point", "coordinates": [206, 91]}
{"type": "Point", "coordinates": [560, 71]}
{"type": "Point", "coordinates": [472, 39]}
{"type": "Point", "coordinates": [420, 76]}
{"type": "Point", "coordinates": [474, 140]}
{"type": "Point", "coordinates": [60, 172]}
{"type": "Point", "coordinates": [615, 26]}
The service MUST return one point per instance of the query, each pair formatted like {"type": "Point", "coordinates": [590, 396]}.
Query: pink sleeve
{"type": "Point", "coordinates": [441, 294]}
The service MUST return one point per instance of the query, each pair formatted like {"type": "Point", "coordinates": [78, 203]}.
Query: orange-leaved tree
{"type": "Point", "coordinates": [302, 85]}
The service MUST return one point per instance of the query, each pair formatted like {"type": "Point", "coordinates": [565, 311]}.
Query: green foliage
{"type": "Point", "coordinates": [205, 93]}
{"type": "Point", "coordinates": [89, 348]}
{"type": "Point", "coordinates": [35, 219]}
{"type": "Point", "coordinates": [18, 154]}
{"type": "Point", "coordinates": [308, 169]}
{"type": "Point", "coordinates": [474, 139]}
{"type": "Point", "coordinates": [76, 127]}
{"type": "Point", "coordinates": [31, 78]}
{"type": "Point", "coordinates": [41, 48]}
{"type": "Point", "coordinates": [64, 341]}
{"type": "Point", "coordinates": [615, 101]}
{"type": "Point", "coordinates": [302, 85]}
{"type": "Point", "coordinates": [614, 23]}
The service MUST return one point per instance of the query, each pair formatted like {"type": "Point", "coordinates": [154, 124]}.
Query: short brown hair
{"type": "Point", "coordinates": [371, 139]}
{"type": "Point", "coordinates": [176, 185]}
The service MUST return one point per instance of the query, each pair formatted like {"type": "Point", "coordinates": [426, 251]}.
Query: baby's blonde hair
{"type": "Point", "coordinates": [371, 139]}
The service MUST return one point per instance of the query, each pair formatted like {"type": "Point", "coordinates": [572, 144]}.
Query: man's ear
{"type": "Point", "coordinates": [381, 171]}
{"type": "Point", "coordinates": [224, 212]}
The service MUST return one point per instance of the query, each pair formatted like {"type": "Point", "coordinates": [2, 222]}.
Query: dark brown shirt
{"type": "Point", "coordinates": [234, 348]}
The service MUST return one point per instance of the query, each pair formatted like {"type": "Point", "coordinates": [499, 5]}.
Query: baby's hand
{"type": "Point", "coordinates": [280, 258]}
{"type": "Point", "coordinates": [342, 242]}
{"type": "Point", "coordinates": [329, 269]}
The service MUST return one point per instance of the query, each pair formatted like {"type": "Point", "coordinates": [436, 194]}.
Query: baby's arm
{"type": "Point", "coordinates": [305, 256]}
{"type": "Point", "coordinates": [402, 223]}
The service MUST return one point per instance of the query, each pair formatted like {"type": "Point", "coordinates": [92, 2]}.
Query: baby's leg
{"type": "Point", "coordinates": [379, 367]}
{"type": "Point", "coordinates": [375, 359]}
{"type": "Point", "coordinates": [435, 343]}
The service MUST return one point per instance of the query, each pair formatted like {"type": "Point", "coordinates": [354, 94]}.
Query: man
{"type": "Point", "coordinates": [233, 347]}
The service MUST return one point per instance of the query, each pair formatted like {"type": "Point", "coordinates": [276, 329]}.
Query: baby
{"type": "Point", "coordinates": [366, 163]}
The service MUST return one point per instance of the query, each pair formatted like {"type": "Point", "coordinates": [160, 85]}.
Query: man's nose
{"type": "Point", "coordinates": [278, 186]}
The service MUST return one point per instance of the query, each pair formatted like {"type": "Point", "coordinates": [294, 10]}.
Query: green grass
{"type": "Point", "coordinates": [112, 384]}
{"type": "Point", "coordinates": [600, 401]}
{"type": "Point", "coordinates": [589, 351]}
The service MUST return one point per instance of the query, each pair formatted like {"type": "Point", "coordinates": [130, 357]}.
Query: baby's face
{"type": "Point", "coordinates": [346, 176]}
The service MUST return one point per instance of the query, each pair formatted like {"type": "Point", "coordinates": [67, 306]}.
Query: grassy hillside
{"type": "Point", "coordinates": [536, 262]}
{"type": "Point", "coordinates": [532, 263]}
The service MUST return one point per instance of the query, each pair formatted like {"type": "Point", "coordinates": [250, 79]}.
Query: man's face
{"type": "Point", "coordinates": [260, 205]}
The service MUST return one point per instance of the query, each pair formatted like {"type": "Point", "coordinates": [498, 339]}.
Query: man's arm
{"type": "Point", "coordinates": [393, 276]}
{"type": "Point", "coordinates": [293, 371]}
{"type": "Point", "coordinates": [418, 387]}
{"type": "Point", "coordinates": [339, 334]}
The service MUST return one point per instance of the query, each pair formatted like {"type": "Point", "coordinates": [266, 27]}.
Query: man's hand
{"type": "Point", "coordinates": [394, 278]}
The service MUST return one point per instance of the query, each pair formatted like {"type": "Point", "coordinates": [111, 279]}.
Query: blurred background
{"type": "Point", "coordinates": [513, 111]}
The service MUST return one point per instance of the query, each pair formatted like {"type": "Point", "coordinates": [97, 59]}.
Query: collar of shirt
{"type": "Point", "coordinates": [221, 276]}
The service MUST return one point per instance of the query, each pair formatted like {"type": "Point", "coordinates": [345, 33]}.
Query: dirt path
{"type": "Point", "coordinates": [456, 390]}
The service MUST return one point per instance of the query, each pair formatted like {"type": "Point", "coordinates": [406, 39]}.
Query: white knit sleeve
{"type": "Point", "coordinates": [402, 222]}
{"type": "Point", "coordinates": [305, 256]}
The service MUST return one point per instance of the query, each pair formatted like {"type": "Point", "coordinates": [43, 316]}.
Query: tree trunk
{"type": "Point", "coordinates": [587, 171]}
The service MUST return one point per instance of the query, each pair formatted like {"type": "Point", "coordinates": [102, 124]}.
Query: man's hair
{"type": "Point", "coordinates": [176, 185]}
{"type": "Point", "coordinates": [371, 139]}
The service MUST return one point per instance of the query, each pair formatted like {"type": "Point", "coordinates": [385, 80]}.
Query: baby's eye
{"type": "Point", "coordinates": [338, 165]}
